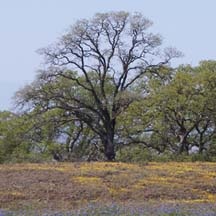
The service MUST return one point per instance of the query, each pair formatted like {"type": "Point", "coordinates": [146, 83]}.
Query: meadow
{"type": "Point", "coordinates": [108, 188]}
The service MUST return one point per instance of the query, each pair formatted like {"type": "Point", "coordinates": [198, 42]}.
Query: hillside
{"type": "Point", "coordinates": [68, 186]}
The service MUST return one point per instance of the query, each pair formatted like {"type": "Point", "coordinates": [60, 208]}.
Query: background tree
{"type": "Point", "coordinates": [141, 124]}
{"type": "Point", "coordinates": [180, 106]}
{"type": "Point", "coordinates": [15, 144]}
{"type": "Point", "coordinates": [178, 113]}
{"type": "Point", "coordinates": [93, 70]}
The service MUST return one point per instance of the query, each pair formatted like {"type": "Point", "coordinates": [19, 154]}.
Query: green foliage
{"type": "Point", "coordinates": [179, 110]}
{"type": "Point", "coordinates": [134, 154]}
{"type": "Point", "coordinates": [138, 154]}
{"type": "Point", "coordinates": [149, 128]}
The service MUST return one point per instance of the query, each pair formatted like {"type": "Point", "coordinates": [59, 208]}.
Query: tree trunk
{"type": "Point", "coordinates": [183, 144]}
{"type": "Point", "coordinates": [201, 141]}
{"type": "Point", "coordinates": [108, 141]}
{"type": "Point", "coordinates": [109, 148]}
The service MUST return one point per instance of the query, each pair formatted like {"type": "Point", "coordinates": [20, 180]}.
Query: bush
{"type": "Point", "coordinates": [139, 154]}
{"type": "Point", "coordinates": [134, 154]}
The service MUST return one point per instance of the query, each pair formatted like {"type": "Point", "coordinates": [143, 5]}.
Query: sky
{"type": "Point", "coordinates": [27, 25]}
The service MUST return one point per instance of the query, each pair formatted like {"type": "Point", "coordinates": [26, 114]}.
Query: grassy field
{"type": "Point", "coordinates": [102, 188]}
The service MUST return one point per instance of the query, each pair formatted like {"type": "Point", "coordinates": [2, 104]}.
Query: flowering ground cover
{"type": "Point", "coordinates": [102, 188]}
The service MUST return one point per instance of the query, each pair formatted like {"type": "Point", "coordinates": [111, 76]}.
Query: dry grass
{"type": "Point", "coordinates": [69, 185]}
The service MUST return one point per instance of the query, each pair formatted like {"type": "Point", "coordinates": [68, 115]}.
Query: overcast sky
{"type": "Point", "coordinates": [27, 25]}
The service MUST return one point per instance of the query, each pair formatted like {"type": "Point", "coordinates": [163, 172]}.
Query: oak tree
{"type": "Point", "coordinates": [92, 72]}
